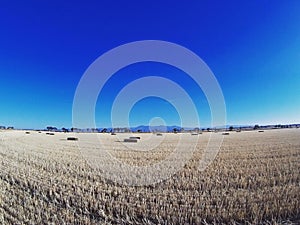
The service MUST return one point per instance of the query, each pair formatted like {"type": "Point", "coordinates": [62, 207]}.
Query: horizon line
{"type": "Point", "coordinates": [3, 127]}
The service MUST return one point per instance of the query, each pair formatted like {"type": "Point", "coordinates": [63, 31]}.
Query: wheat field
{"type": "Point", "coordinates": [255, 179]}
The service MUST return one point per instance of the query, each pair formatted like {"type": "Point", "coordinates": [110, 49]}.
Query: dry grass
{"type": "Point", "coordinates": [255, 179]}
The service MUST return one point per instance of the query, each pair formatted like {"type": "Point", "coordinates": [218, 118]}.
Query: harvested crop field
{"type": "Point", "coordinates": [44, 179]}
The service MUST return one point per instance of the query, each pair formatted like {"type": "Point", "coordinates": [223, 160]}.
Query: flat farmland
{"type": "Point", "coordinates": [255, 179]}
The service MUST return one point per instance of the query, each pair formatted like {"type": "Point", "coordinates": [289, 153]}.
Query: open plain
{"type": "Point", "coordinates": [255, 179]}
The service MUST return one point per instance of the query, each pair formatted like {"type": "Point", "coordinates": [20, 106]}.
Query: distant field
{"type": "Point", "coordinates": [45, 180]}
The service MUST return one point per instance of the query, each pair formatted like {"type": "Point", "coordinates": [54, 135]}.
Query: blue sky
{"type": "Point", "coordinates": [252, 47]}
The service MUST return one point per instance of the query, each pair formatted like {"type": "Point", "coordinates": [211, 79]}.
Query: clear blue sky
{"type": "Point", "coordinates": [253, 48]}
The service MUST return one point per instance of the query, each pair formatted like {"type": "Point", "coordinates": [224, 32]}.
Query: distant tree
{"type": "Point", "coordinates": [73, 129]}
{"type": "Point", "coordinates": [256, 127]}
{"type": "Point", "coordinates": [64, 130]}
{"type": "Point", "coordinates": [104, 130]}
{"type": "Point", "coordinates": [208, 129]}
{"type": "Point", "coordinates": [231, 128]}
{"type": "Point", "coordinates": [49, 128]}
{"type": "Point", "coordinates": [175, 130]}
{"type": "Point", "coordinates": [52, 128]}
{"type": "Point", "coordinates": [139, 131]}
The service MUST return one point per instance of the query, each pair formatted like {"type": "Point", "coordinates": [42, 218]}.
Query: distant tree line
{"type": "Point", "coordinates": [174, 130]}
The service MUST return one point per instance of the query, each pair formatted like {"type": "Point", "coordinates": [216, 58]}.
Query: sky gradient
{"type": "Point", "coordinates": [253, 49]}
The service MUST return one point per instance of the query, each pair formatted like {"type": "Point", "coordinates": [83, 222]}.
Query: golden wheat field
{"type": "Point", "coordinates": [255, 179]}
